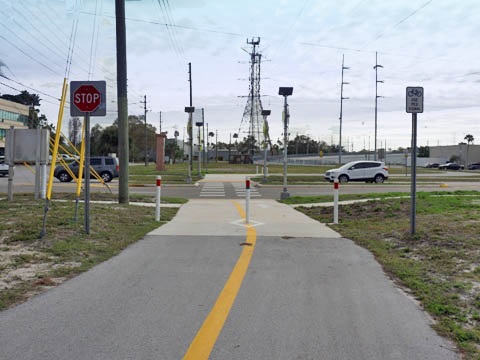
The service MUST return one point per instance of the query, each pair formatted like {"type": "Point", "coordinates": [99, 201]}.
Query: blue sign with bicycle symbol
{"type": "Point", "coordinates": [414, 100]}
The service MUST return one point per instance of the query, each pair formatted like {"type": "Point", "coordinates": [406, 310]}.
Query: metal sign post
{"type": "Point", "coordinates": [87, 173]}
{"type": "Point", "coordinates": [88, 98]}
{"type": "Point", "coordinates": [247, 200]}
{"type": "Point", "coordinates": [414, 105]}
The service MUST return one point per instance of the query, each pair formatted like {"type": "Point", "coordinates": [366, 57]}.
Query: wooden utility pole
{"type": "Point", "coordinates": [122, 100]}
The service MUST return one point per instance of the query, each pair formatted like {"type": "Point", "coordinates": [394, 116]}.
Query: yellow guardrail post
{"type": "Point", "coordinates": [54, 155]}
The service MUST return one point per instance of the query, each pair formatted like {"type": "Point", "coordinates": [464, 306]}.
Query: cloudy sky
{"type": "Point", "coordinates": [428, 43]}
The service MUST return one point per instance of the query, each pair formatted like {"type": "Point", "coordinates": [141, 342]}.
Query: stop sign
{"type": "Point", "coordinates": [87, 98]}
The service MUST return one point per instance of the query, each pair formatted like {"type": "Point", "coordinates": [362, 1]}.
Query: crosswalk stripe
{"type": "Point", "coordinates": [213, 190]}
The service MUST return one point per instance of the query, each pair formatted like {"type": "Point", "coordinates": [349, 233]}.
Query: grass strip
{"type": "Point", "coordinates": [29, 265]}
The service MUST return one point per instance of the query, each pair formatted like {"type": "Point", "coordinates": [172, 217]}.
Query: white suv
{"type": "Point", "coordinates": [368, 171]}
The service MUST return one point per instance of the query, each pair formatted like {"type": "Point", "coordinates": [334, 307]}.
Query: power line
{"type": "Point", "coordinates": [169, 31]}
{"type": "Point", "coordinates": [71, 46]}
{"type": "Point", "coordinates": [29, 56]}
{"type": "Point", "coordinates": [37, 91]}
{"type": "Point", "coordinates": [53, 48]}
{"type": "Point", "coordinates": [172, 30]}
{"type": "Point", "coordinates": [399, 23]}
{"type": "Point", "coordinates": [11, 87]}
{"type": "Point", "coordinates": [35, 37]}
{"type": "Point", "coordinates": [60, 30]}
{"type": "Point", "coordinates": [292, 25]}
{"type": "Point", "coordinates": [364, 51]}
{"type": "Point", "coordinates": [92, 41]}
{"type": "Point", "coordinates": [171, 25]}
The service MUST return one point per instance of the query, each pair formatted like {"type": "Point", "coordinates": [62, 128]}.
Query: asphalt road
{"type": "Point", "coordinates": [233, 186]}
{"type": "Point", "coordinates": [303, 293]}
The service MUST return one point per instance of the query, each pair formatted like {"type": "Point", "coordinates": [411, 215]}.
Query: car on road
{"type": "Point", "coordinates": [368, 171]}
{"type": "Point", "coordinates": [106, 166]}
{"type": "Point", "coordinates": [3, 169]}
{"type": "Point", "coordinates": [432, 165]}
{"type": "Point", "coordinates": [474, 166]}
{"type": "Point", "coordinates": [450, 166]}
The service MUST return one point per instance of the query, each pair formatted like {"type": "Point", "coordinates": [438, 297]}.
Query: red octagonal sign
{"type": "Point", "coordinates": [87, 98]}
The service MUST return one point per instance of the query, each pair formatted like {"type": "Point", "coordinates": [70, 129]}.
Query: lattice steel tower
{"type": "Point", "coordinates": [253, 109]}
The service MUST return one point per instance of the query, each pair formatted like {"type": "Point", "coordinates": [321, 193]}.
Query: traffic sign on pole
{"type": "Point", "coordinates": [414, 98]}
{"type": "Point", "coordinates": [414, 102]}
{"type": "Point", "coordinates": [88, 97]}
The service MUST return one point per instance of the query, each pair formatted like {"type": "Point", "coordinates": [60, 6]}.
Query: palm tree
{"type": "Point", "coordinates": [469, 139]}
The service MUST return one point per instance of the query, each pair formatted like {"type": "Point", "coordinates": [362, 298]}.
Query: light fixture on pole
{"type": "Point", "coordinates": [265, 113]}
{"type": "Point", "coordinates": [199, 124]}
{"type": "Point", "coordinates": [190, 110]}
{"type": "Point", "coordinates": [285, 91]}
{"type": "Point", "coordinates": [235, 136]}
{"type": "Point", "coordinates": [376, 98]}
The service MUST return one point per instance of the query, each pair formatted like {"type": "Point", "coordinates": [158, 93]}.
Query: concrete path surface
{"type": "Point", "coordinates": [213, 217]}
{"type": "Point", "coordinates": [285, 287]}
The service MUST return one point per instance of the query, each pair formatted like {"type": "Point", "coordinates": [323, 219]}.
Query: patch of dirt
{"type": "Point", "coordinates": [20, 263]}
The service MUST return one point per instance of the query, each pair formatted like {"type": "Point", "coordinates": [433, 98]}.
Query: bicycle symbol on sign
{"type": "Point", "coordinates": [415, 93]}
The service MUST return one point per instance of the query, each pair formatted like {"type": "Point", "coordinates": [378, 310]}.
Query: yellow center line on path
{"type": "Point", "coordinates": [203, 343]}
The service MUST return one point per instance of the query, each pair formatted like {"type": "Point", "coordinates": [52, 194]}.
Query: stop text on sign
{"type": "Point", "coordinates": [88, 97]}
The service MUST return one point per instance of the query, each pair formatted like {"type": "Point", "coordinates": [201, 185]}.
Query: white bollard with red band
{"type": "Point", "coordinates": [159, 194]}
{"type": "Point", "coordinates": [335, 201]}
{"type": "Point", "coordinates": [247, 200]}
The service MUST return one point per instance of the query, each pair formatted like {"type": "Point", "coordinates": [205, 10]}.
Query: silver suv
{"type": "Point", "coordinates": [106, 166]}
{"type": "Point", "coordinates": [368, 171]}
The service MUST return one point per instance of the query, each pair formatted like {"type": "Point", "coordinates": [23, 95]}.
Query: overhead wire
{"type": "Point", "coordinates": [379, 36]}
{"type": "Point", "coordinates": [51, 50]}
{"type": "Point", "coordinates": [29, 87]}
{"type": "Point", "coordinates": [13, 88]}
{"type": "Point", "coordinates": [94, 29]}
{"type": "Point", "coordinates": [60, 29]}
{"type": "Point", "coordinates": [292, 25]}
{"type": "Point", "coordinates": [29, 56]}
{"type": "Point", "coordinates": [185, 27]}
{"type": "Point", "coordinates": [71, 47]}
{"type": "Point", "coordinates": [96, 44]}
{"type": "Point", "coordinates": [169, 31]}
{"type": "Point", "coordinates": [170, 20]}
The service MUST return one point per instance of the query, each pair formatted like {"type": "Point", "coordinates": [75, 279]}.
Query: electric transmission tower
{"type": "Point", "coordinates": [252, 115]}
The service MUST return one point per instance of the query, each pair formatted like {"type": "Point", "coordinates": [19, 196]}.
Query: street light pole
{"type": "Point", "coordinates": [145, 129]}
{"type": "Point", "coordinates": [265, 113]}
{"type": "Point", "coordinates": [199, 124]}
{"type": "Point", "coordinates": [341, 111]}
{"type": "Point", "coordinates": [190, 126]}
{"type": "Point", "coordinates": [376, 98]}
{"type": "Point", "coordinates": [285, 92]}
{"type": "Point", "coordinates": [190, 110]}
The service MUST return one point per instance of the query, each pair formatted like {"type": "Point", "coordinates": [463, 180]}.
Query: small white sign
{"type": "Point", "coordinates": [414, 100]}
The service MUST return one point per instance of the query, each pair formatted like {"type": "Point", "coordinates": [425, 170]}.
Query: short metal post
{"type": "Point", "coordinates": [43, 181]}
{"type": "Point", "coordinates": [265, 170]}
{"type": "Point", "coordinates": [159, 194]}
{"type": "Point", "coordinates": [247, 200]}
{"type": "Point", "coordinates": [11, 161]}
{"type": "Point", "coordinates": [335, 201]}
